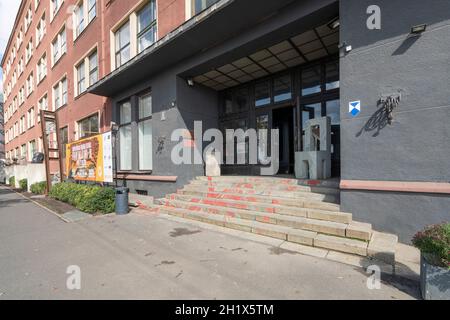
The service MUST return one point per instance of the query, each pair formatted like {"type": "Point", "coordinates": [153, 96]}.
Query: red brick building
{"type": "Point", "coordinates": [58, 48]}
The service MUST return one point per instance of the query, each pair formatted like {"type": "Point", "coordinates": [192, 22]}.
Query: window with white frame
{"type": "Point", "coordinates": [31, 149]}
{"type": "Point", "coordinates": [21, 95]}
{"type": "Point", "coordinates": [29, 51]}
{"type": "Point", "coordinates": [40, 30]}
{"type": "Point", "coordinates": [59, 45]}
{"type": "Point", "coordinates": [93, 68]}
{"type": "Point", "coordinates": [122, 45]}
{"type": "Point", "coordinates": [55, 5]}
{"type": "Point", "coordinates": [14, 78]}
{"type": "Point", "coordinates": [21, 66]}
{"type": "Point", "coordinates": [41, 67]}
{"type": "Point", "coordinates": [20, 38]}
{"type": "Point", "coordinates": [79, 19]}
{"type": "Point", "coordinates": [23, 151]}
{"type": "Point", "coordinates": [22, 125]}
{"type": "Point", "coordinates": [30, 84]}
{"type": "Point", "coordinates": [86, 72]}
{"type": "Point", "coordinates": [83, 14]}
{"type": "Point", "coordinates": [30, 118]}
{"type": "Point", "coordinates": [81, 77]}
{"type": "Point", "coordinates": [60, 94]}
{"type": "Point", "coordinates": [36, 4]}
{"type": "Point", "coordinates": [43, 103]}
{"type": "Point", "coordinates": [92, 10]}
{"type": "Point", "coordinates": [88, 126]}
{"type": "Point", "coordinates": [28, 18]}
{"type": "Point", "coordinates": [146, 32]}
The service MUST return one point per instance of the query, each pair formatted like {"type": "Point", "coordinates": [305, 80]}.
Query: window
{"type": "Point", "coordinates": [60, 94]}
{"type": "Point", "coordinates": [21, 66]}
{"type": "Point", "coordinates": [122, 45]}
{"type": "Point", "coordinates": [146, 18]}
{"type": "Point", "coordinates": [29, 51]}
{"type": "Point", "coordinates": [22, 125]}
{"type": "Point", "coordinates": [59, 46]}
{"type": "Point", "coordinates": [40, 30]}
{"type": "Point", "coordinates": [311, 81]}
{"type": "Point", "coordinates": [262, 94]}
{"type": "Point", "coordinates": [28, 18]}
{"type": "Point", "coordinates": [30, 84]}
{"type": "Point", "coordinates": [88, 126]}
{"type": "Point", "coordinates": [91, 10]}
{"type": "Point", "coordinates": [23, 151]}
{"type": "Point", "coordinates": [36, 4]}
{"type": "Point", "coordinates": [200, 5]}
{"type": "Point", "coordinates": [31, 149]}
{"type": "Point", "coordinates": [21, 96]}
{"type": "Point", "coordinates": [86, 72]}
{"type": "Point", "coordinates": [332, 75]}
{"type": "Point", "coordinates": [93, 68]}
{"type": "Point", "coordinates": [282, 88]}
{"type": "Point", "coordinates": [79, 19]}
{"type": "Point", "coordinates": [64, 135]}
{"type": "Point", "coordinates": [42, 105]}
{"type": "Point", "coordinates": [125, 143]}
{"type": "Point", "coordinates": [42, 68]}
{"type": "Point", "coordinates": [30, 118]}
{"type": "Point", "coordinates": [81, 86]}
{"type": "Point", "coordinates": [333, 111]}
{"type": "Point", "coordinates": [145, 132]}
{"type": "Point", "coordinates": [55, 5]}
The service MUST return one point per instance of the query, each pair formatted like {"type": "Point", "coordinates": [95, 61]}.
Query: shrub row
{"type": "Point", "coordinates": [87, 198]}
{"type": "Point", "coordinates": [39, 187]}
{"type": "Point", "coordinates": [23, 184]}
{"type": "Point", "coordinates": [12, 181]}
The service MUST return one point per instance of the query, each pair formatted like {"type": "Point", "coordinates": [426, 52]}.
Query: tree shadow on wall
{"type": "Point", "coordinates": [377, 122]}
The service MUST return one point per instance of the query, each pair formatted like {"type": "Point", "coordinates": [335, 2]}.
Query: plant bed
{"type": "Point", "coordinates": [87, 198]}
{"type": "Point", "coordinates": [434, 245]}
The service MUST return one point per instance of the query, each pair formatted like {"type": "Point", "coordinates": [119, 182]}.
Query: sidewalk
{"type": "Point", "coordinates": [146, 256]}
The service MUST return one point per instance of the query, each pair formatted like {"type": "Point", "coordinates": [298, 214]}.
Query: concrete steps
{"type": "Point", "coordinates": [271, 185]}
{"type": "Point", "coordinates": [228, 194]}
{"type": "Point", "coordinates": [297, 211]}
{"type": "Point", "coordinates": [266, 191]}
{"type": "Point", "coordinates": [260, 205]}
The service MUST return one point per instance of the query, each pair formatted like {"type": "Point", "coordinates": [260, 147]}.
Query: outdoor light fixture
{"type": "Point", "coordinates": [419, 29]}
{"type": "Point", "coordinates": [190, 82]}
{"type": "Point", "coordinates": [334, 24]}
{"type": "Point", "coordinates": [114, 127]}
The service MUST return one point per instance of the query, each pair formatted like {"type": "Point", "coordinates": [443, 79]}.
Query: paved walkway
{"type": "Point", "coordinates": [152, 257]}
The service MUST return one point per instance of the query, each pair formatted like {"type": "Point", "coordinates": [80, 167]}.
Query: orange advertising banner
{"type": "Point", "coordinates": [90, 159]}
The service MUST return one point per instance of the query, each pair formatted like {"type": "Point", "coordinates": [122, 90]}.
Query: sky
{"type": "Point", "coordinates": [8, 11]}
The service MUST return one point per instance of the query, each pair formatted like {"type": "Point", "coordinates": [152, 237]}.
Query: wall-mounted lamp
{"type": "Point", "coordinates": [190, 82]}
{"type": "Point", "coordinates": [419, 29]}
{"type": "Point", "coordinates": [344, 48]}
{"type": "Point", "coordinates": [114, 127]}
{"type": "Point", "coordinates": [334, 24]}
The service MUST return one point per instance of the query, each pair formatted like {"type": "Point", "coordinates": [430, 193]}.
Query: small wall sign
{"type": "Point", "coordinates": [354, 108]}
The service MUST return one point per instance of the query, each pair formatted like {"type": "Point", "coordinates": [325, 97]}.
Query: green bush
{"type": "Point", "coordinates": [38, 187]}
{"type": "Point", "coordinates": [23, 184]}
{"type": "Point", "coordinates": [434, 243]}
{"type": "Point", "coordinates": [87, 198]}
{"type": "Point", "coordinates": [12, 181]}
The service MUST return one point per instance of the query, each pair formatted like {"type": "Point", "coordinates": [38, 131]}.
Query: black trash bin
{"type": "Point", "coordinates": [122, 200]}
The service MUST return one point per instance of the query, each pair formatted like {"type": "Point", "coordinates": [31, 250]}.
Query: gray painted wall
{"type": "Point", "coordinates": [181, 105]}
{"type": "Point", "coordinates": [415, 147]}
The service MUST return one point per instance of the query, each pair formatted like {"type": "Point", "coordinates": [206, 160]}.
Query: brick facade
{"type": "Point", "coordinates": [98, 33]}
